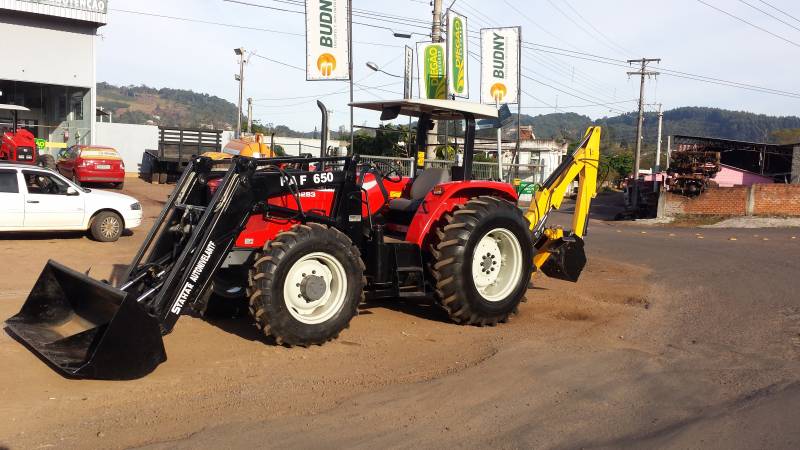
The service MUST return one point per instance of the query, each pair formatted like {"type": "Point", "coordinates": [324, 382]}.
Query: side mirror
{"type": "Point", "coordinates": [71, 191]}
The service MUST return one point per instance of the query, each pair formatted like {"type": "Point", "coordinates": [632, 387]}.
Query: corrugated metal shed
{"type": "Point", "coordinates": [94, 11]}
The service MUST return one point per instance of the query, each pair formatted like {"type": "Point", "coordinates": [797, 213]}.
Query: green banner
{"type": "Point", "coordinates": [435, 81]}
{"type": "Point", "coordinates": [458, 57]}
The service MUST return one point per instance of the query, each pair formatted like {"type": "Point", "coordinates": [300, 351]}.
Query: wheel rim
{"type": "Point", "coordinates": [315, 288]}
{"type": "Point", "coordinates": [109, 227]}
{"type": "Point", "coordinates": [497, 264]}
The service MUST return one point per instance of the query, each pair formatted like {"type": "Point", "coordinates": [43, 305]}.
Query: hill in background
{"type": "Point", "coordinates": [184, 108]}
{"type": "Point", "coordinates": [692, 121]}
{"type": "Point", "coordinates": [168, 107]}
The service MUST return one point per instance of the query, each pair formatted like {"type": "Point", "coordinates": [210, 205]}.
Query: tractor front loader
{"type": "Point", "coordinates": [305, 241]}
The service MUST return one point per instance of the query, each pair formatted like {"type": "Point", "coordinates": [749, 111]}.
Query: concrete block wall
{"type": "Point", "coordinates": [755, 200]}
{"type": "Point", "coordinates": [796, 165]}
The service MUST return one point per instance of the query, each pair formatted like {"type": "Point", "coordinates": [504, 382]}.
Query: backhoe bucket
{"type": "Point", "coordinates": [567, 260]}
{"type": "Point", "coordinates": [87, 329]}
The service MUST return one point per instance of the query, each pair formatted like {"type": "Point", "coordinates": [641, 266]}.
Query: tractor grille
{"type": "Point", "coordinates": [24, 153]}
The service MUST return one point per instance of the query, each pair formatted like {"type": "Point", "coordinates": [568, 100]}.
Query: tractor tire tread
{"type": "Point", "coordinates": [450, 255]}
{"type": "Point", "coordinates": [266, 311]}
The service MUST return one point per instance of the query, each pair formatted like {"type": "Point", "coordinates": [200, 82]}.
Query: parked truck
{"type": "Point", "coordinates": [176, 147]}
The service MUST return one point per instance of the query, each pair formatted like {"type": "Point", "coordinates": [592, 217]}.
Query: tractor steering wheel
{"type": "Point", "coordinates": [390, 172]}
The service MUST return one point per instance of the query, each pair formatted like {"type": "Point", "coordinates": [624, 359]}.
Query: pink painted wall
{"type": "Point", "coordinates": [730, 176]}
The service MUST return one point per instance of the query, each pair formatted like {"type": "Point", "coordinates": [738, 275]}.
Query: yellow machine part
{"type": "Point", "coordinates": [251, 146]}
{"type": "Point", "coordinates": [582, 165]}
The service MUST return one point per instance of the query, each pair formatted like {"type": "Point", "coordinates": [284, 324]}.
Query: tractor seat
{"type": "Point", "coordinates": [402, 210]}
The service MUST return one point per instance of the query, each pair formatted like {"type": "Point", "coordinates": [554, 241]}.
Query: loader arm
{"type": "Point", "coordinates": [561, 255]}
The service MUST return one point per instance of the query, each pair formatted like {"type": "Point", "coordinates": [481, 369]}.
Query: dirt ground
{"type": "Point", "coordinates": [224, 372]}
{"type": "Point", "coordinates": [618, 359]}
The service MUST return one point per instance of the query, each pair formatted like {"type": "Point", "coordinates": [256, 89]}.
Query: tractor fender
{"type": "Point", "coordinates": [435, 206]}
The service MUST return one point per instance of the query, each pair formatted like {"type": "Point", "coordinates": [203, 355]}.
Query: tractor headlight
{"type": "Point", "coordinates": [136, 206]}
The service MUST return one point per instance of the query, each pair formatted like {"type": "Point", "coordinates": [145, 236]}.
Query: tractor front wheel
{"type": "Point", "coordinates": [307, 285]}
{"type": "Point", "coordinates": [483, 261]}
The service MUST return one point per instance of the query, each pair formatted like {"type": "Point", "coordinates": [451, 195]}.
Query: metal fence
{"type": "Point", "coordinates": [527, 173]}
{"type": "Point", "coordinates": [405, 165]}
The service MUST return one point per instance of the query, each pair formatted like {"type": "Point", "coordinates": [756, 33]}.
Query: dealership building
{"type": "Point", "coordinates": [48, 66]}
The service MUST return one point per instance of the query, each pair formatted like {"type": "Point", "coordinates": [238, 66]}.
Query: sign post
{"type": "Point", "coordinates": [500, 72]}
{"type": "Point", "coordinates": [408, 73]}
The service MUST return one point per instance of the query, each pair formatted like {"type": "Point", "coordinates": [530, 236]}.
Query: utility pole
{"type": "Point", "coordinates": [643, 72]}
{"type": "Point", "coordinates": [250, 115]}
{"type": "Point", "coordinates": [240, 78]}
{"type": "Point", "coordinates": [640, 125]}
{"type": "Point", "coordinates": [436, 36]}
{"type": "Point", "coordinates": [657, 165]}
{"type": "Point", "coordinates": [350, 74]}
{"type": "Point", "coordinates": [669, 150]}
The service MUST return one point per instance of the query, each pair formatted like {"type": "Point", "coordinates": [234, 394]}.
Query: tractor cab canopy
{"type": "Point", "coordinates": [435, 109]}
{"type": "Point", "coordinates": [431, 110]}
{"type": "Point", "coordinates": [15, 111]}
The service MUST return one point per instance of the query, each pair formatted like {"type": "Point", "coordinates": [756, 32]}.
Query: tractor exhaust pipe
{"type": "Point", "coordinates": [323, 146]}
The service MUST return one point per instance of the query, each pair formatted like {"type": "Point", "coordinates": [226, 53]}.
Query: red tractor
{"type": "Point", "coordinates": [307, 240]}
{"type": "Point", "coordinates": [19, 145]}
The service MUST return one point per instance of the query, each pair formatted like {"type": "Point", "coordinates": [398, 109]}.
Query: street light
{"type": "Point", "coordinates": [240, 78]}
{"type": "Point", "coordinates": [375, 67]}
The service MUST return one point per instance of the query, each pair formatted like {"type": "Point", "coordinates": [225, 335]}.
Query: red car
{"type": "Point", "coordinates": [92, 164]}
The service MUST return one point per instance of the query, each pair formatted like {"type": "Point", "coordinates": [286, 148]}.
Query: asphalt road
{"type": "Point", "coordinates": [714, 362]}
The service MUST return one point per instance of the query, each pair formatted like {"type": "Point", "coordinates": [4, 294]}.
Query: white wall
{"type": "Point", "coordinates": [130, 140]}
{"type": "Point", "coordinates": [47, 50]}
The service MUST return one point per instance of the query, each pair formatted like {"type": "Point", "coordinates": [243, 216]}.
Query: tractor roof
{"type": "Point", "coordinates": [438, 109]}
{"type": "Point", "coordinates": [13, 107]}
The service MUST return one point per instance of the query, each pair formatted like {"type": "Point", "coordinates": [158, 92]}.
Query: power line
{"type": "Point", "coordinates": [579, 106]}
{"type": "Point", "coordinates": [780, 11]}
{"type": "Point", "coordinates": [577, 25]}
{"type": "Point", "coordinates": [328, 94]}
{"type": "Point", "coordinates": [591, 25]}
{"type": "Point", "coordinates": [770, 15]}
{"type": "Point", "coordinates": [540, 48]}
{"type": "Point", "coordinates": [234, 26]}
{"type": "Point", "coordinates": [751, 24]}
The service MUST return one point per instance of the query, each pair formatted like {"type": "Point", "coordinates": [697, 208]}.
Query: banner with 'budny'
{"type": "Point", "coordinates": [457, 55]}
{"type": "Point", "coordinates": [327, 49]}
{"type": "Point", "coordinates": [500, 68]}
{"type": "Point", "coordinates": [432, 70]}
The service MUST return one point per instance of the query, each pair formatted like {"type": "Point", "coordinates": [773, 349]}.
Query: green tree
{"type": "Point", "coordinates": [385, 141]}
{"type": "Point", "coordinates": [786, 136]}
{"type": "Point", "coordinates": [620, 165]}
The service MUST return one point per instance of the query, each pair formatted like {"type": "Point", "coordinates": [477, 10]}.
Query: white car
{"type": "Point", "coordinates": [37, 199]}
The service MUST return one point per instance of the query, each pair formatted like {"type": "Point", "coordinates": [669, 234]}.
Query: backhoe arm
{"type": "Point", "coordinates": [559, 255]}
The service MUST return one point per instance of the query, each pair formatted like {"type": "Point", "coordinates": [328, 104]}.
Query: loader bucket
{"type": "Point", "coordinates": [87, 329]}
{"type": "Point", "coordinates": [567, 260]}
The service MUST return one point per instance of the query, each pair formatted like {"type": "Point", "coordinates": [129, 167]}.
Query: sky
{"type": "Point", "coordinates": [688, 35]}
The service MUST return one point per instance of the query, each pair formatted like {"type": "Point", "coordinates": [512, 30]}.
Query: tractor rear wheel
{"type": "Point", "coordinates": [483, 261]}
{"type": "Point", "coordinates": [306, 285]}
